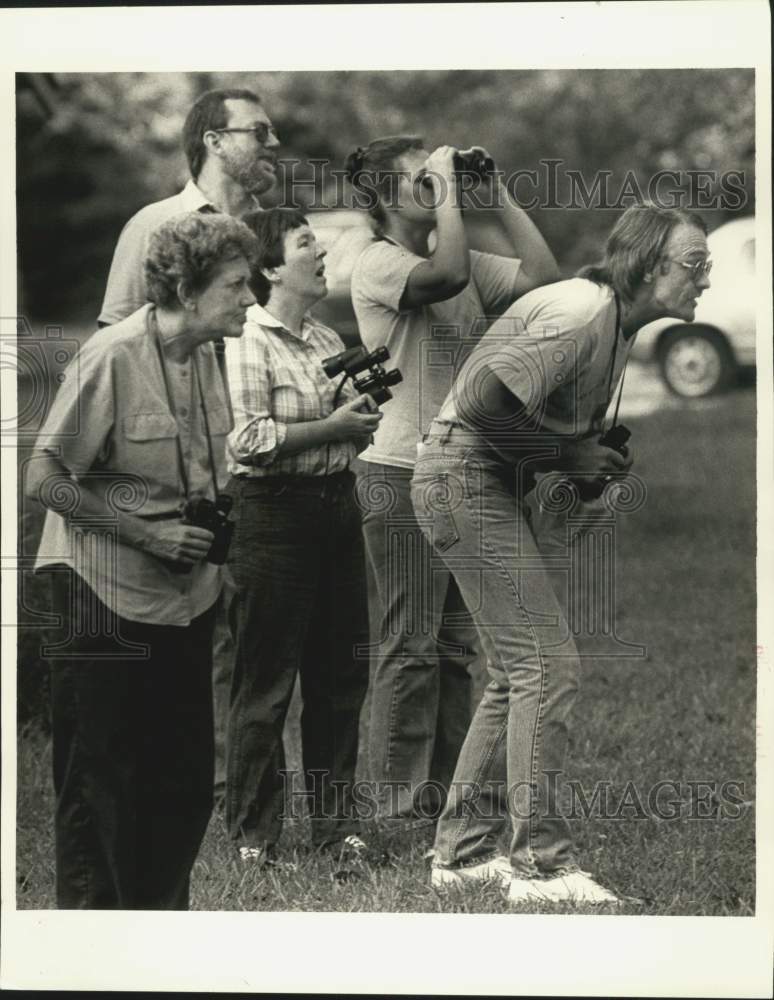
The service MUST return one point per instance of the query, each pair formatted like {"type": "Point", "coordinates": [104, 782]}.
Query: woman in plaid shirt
{"type": "Point", "coordinates": [297, 556]}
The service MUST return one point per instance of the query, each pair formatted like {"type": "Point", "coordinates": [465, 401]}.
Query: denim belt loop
{"type": "Point", "coordinates": [434, 432]}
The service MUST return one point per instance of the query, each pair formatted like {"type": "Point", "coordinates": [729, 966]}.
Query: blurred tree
{"type": "Point", "coordinates": [111, 145]}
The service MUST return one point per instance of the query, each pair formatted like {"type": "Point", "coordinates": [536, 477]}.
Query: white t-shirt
{"type": "Point", "coordinates": [427, 344]}
{"type": "Point", "coordinates": [553, 349]}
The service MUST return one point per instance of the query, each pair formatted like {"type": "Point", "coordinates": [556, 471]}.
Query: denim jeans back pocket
{"type": "Point", "coordinates": [435, 498]}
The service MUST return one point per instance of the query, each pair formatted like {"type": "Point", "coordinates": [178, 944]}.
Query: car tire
{"type": "Point", "coordinates": [695, 361]}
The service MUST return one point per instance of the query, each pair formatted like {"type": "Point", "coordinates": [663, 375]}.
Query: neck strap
{"type": "Point", "coordinates": [612, 362]}
{"type": "Point", "coordinates": [156, 334]}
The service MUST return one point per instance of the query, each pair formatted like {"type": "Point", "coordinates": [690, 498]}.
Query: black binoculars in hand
{"type": "Point", "coordinates": [615, 438]}
{"type": "Point", "coordinates": [212, 515]}
{"type": "Point", "coordinates": [358, 359]}
{"type": "Point", "coordinates": [471, 163]}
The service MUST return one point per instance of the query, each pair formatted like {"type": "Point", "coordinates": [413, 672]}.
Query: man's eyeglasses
{"type": "Point", "coordinates": [261, 131]}
{"type": "Point", "coordinates": [700, 268]}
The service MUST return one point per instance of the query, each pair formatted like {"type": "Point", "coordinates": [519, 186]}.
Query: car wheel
{"type": "Point", "coordinates": [695, 362]}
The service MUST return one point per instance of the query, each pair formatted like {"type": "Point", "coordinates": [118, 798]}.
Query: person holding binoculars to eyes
{"type": "Point", "coordinates": [131, 464]}
{"type": "Point", "coordinates": [421, 302]}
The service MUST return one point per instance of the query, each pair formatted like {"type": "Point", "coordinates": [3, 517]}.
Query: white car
{"type": "Point", "coordinates": [702, 357]}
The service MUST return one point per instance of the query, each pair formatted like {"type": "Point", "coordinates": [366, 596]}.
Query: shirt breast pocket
{"type": "Point", "coordinates": [150, 447]}
{"type": "Point", "coordinates": [220, 421]}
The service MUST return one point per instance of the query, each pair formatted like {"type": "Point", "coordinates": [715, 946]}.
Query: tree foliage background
{"type": "Point", "coordinates": [110, 143]}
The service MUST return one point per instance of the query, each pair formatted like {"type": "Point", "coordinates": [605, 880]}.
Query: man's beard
{"type": "Point", "coordinates": [250, 174]}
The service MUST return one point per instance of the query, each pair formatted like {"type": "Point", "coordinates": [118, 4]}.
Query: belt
{"type": "Point", "coordinates": [444, 432]}
{"type": "Point", "coordinates": [320, 485]}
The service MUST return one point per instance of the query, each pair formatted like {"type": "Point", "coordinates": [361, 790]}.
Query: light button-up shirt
{"type": "Point", "coordinates": [112, 428]}
{"type": "Point", "coordinates": [276, 378]}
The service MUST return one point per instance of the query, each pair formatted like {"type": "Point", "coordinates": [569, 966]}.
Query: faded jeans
{"type": "Point", "coordinates": [466, 502]}
{"type": "Point", "coordinates": [421, 685]}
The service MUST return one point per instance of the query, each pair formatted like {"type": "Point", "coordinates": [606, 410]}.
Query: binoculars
{"type": "Point", "coordinates": [375, 381]}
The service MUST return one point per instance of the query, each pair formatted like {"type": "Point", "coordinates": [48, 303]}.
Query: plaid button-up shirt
{"type": "Point", "coordinates": [276, 378]}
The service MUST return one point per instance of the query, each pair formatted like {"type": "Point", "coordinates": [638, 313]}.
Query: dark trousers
{"type": "Point", "coordinates": [133, 753]}
{"type": "Point", "coordinates": [298, 563]}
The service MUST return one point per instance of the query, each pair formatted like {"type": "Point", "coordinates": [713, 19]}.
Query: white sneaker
{"type": "Point", "coordinates": [576, 886]}
{"type": "Point", "coordinates": [260, 857]}
{"type": "Point", "coordinates": [526, 890]}
{"type": "Point", "coordinates": [354, 847]}
{"type": "Point", "coordinates": [498, 868]}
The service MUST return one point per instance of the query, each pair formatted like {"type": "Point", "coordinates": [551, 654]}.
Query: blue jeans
{"type": "Point", "coordinates": [420, 699]}
{"type": "Point", "coordinates": [466, 503]}
{"type": "Point", "coordinates": [301, 606]}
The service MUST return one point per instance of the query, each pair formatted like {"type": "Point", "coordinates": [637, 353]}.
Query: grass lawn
{"type": "Point", "coordinates": [683, 713]}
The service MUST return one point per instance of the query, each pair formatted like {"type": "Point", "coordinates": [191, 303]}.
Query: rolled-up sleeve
{"type": "Point", "coordinates": [257, 436]}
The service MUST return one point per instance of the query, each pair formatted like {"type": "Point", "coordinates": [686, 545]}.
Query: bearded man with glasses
{"type": "Point", "coordinates": [230, 144]}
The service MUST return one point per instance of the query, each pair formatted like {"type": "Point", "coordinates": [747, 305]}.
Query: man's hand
{"type": "Point", "coordinates": [355, 420]}
{"type": "Point", "coordinates": [362, 443]}
{"type": "Point", "coordinates": [440, 170]}
{"type": "Point", "coordinates": [183, 545]}
{"type": "Point", "coordinates": [627, 457]}
{"type": "Point", "coordinates": [587, 457]}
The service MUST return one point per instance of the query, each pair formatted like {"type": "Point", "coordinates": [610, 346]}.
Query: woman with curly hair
{"type": "Point", "coordinates": [135, 440]}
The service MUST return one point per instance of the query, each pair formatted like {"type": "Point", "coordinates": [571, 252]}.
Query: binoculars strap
{"type": "Point", "coordinates": [612, 363]}
{"type": "Point", "coordinates": [207, 434]}
{"type": "Point", "coordinates": [154, 329]}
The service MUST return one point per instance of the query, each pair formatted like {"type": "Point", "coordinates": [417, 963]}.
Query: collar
{"type": "Point", "coordinates": [194, 200]}
{"type": "Point", "coordinates": [257, 314]}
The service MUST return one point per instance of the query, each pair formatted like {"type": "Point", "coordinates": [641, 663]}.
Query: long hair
{"type": "Point", "coordinates": [372, 172]}
{"type": "Point", "coordinates": [208, 112]}
{"type": "Point", "coordinates": [635, 245]}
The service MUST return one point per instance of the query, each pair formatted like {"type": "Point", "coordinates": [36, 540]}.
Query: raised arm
{"type": "Point", "coordinates": [538, 263]}
{"type": "Point", "coordinates": [514, 229]}
{"type": "Point", "coordinates": [447, 272]}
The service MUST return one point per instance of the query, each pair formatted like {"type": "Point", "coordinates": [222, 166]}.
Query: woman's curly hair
{"type": "Point", "coordinates": [188, 248]}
